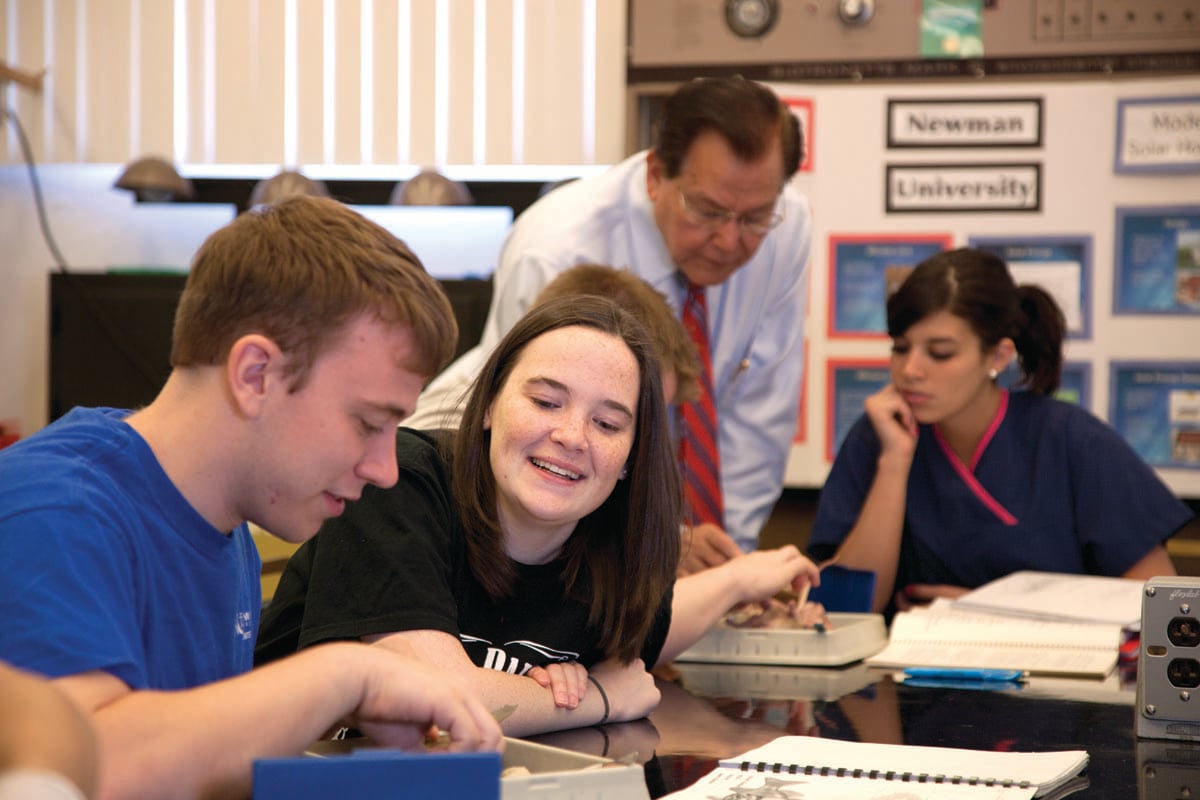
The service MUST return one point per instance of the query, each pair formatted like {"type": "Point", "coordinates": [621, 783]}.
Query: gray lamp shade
{"type": "Point", "coordinates": [287, 183]}
{"type": "Point", "coordinates": [431, 188]}
{"type": "Point", "coordinates": [155, 180]}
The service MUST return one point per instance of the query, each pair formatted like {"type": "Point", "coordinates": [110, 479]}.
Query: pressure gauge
{"type": "Point", "coordinates": [751, 18]}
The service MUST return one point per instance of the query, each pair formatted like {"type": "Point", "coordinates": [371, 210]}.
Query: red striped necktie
{"type": "Point", "coordinates": [698, 453]}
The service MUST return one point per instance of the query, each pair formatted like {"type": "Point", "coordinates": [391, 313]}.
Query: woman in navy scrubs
{"type": "Point", "coordinates": [949, 481]}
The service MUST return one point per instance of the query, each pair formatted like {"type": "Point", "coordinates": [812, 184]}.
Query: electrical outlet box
{"type": "Point", "coordinates": [1168, 681]}
{"type": "Point", "coordinates": [1168, 770]}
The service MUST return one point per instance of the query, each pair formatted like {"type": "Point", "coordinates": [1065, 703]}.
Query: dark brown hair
{"type": "Point", "coordinates": [977, 287]}
{"type": "Point", "coordinates": [625, 552]}
{"type": "Point", "coordinates": [747, 114]}
{"type": "Point", "coordinates": [298, 272]}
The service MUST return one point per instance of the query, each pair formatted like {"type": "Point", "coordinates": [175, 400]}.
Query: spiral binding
{"type": "Point", "coordinates": [886, 775]}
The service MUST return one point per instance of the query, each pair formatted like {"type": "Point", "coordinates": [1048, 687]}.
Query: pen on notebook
{"type": "Point", "coordinates": [985, 675]}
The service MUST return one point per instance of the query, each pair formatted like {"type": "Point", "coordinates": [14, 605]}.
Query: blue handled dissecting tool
{"type": "Point", "coordinates": [965, 675]}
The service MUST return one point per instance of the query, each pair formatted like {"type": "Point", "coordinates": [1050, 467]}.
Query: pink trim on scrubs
{"type": "Point", "coordinates": [968, 473]}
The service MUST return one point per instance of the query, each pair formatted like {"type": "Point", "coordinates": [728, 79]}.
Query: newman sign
{"type": "Point", "coordinates": [965, 123]}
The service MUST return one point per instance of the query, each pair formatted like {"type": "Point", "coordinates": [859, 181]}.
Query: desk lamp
{"type": "Point", "coordinates": [288, 183]}
{"type": "Point", "coordinates": [155, 180]}
{"type": "Point", "coordinates": [431, 188]}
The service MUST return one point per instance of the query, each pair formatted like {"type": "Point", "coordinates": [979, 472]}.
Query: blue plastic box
{"type": "Point", "coordinates": [379, 775]}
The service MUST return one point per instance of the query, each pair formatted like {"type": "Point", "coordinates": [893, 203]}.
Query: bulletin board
{"type": "Point", "coordinates": [1089, 188]}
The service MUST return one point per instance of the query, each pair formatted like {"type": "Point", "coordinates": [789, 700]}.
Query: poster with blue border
{"type": "Point", "coordinates": [850, 382]}
{"type": "Point", "coordinates": [1062, 265]}
{"type": "Point", "coordinates": [1156, 407]}
{"type": "Point", "coordinates": [1157, 260]}
{"type": "Point", "coordinates": [865, 270]}
{"type": "Point", "coordinates": [1158, 135]}
{"type": "Point", "coordinates": [1075, 384]}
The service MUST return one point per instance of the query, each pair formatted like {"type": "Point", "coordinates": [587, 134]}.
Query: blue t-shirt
{"type": "Point", "coordinates": [105, 566]}
{"type": "Point", "coordinates": [1054, 489]}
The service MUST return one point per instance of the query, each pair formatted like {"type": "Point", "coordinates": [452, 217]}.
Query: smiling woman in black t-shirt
{"type": "Point", "coordinates": [533, 553]}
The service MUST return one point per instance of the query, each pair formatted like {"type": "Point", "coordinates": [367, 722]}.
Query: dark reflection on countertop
{"type": "Point", "coordinates": [710, 712]}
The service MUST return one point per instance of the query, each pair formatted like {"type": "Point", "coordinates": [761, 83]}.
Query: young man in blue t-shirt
{"type": "Point", "coordinates": [127, 571]}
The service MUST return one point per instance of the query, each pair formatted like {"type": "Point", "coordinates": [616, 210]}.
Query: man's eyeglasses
{"type": "Point", "coordinates": [713, 217]}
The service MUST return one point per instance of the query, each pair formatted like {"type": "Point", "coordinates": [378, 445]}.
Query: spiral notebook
{"type": "Point", "coordinates": [823, 769]}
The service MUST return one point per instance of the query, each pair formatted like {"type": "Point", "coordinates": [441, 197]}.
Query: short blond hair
{"type": "Point", "coordinates": [675, 349]}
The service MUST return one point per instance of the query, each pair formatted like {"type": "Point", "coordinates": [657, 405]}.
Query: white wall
{"type": "Point", "coordinates": [1080, 194]}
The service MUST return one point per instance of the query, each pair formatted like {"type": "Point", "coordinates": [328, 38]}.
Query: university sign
{"type": "Point", "coordinates": [963, 187]}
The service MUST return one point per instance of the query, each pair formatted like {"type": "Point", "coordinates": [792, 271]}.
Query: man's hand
{"type": "Point", "coordinates": [405, 700]}
{"type": "Point", "coordinates": [704, 546]}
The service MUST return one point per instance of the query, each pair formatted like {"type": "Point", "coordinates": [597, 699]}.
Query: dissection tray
{"type": "Point", "coordinates": [850, 637]}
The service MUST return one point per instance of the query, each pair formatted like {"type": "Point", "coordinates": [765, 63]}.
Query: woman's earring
{"type": "Point", "coordinates": [624, 474]}
{"type": "Point", "coordinates": [992, 374]}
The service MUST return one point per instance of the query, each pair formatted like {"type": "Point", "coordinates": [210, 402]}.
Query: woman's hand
{"type": "Point", "coordinates": [922, 594]}
{"type": "Point", "coordinates": [567, 681]}
{"type": "Point", "coordinates": [893, 420]}
{"type": "Point", "coordinates": [630, 689]}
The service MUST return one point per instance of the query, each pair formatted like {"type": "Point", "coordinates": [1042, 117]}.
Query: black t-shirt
{"type": "Point", "coordinates": [396, 561]}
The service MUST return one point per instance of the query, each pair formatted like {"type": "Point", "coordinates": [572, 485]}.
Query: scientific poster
{"type": "Point", "coordinates": [1157, 260]}
{"type": "Point", "coordinates": [850, 383]}
{"type": "Point", "coordinates": [1158, 135]}
{"type": "Point", "coordinates": [802, 109]}
{"type": "Point", "coordinates": [801, 434]}
{"type": "Point", "coordinates": [1062, 265]}
{"type": "Point", "coordinates": [952, 28]}
{"type": "Point", "coordinates": [1075, 385]}
{"type": "Point", "coordinates": [865, 270]}
{"type": "Point", "coordinates": [1156, 407]}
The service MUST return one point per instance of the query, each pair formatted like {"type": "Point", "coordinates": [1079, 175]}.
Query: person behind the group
{"type": "Point", "coordinates": [127, 571]}
{"type": "Point", "coordinates": [47, 745]}
{"type": "Point", "coordinates": [538, 541]}
{"type": "Point", "coordinates": [949, 481]}
{"type": "Point", "coordinates": [676, 351]}
{"type": "Point", "coordinates": [710, 205]}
